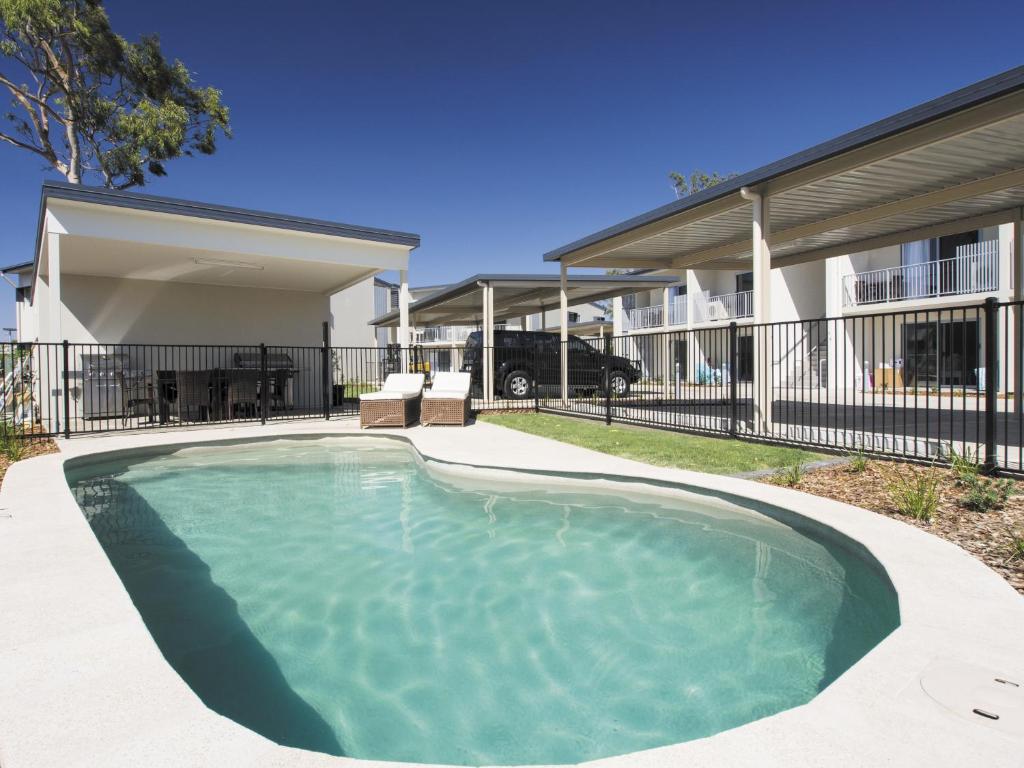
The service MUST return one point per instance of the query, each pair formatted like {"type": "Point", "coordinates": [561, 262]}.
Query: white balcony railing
{"type": "Point", "coordinates": [974, 269]}
{"type": "Point", "coordinates": [677, 311]}
{"type": "Point", "coordinates": [653, 316]}
{"type": "Point", "coordinates": [440, 334]}
{"type": "Point", "coordinates": [726, 306]}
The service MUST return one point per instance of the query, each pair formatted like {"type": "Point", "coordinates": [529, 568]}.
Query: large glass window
{"type": "Point", "coordinates": [941, 354]}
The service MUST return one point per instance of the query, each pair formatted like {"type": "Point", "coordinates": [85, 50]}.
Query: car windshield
{"type": "Point", "coordinates": [577, 344]}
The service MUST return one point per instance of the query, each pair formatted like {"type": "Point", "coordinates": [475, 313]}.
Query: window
{"type": "Point", "coordinates": [574, 317]}
{"type": "Point", "coordinates": [744, 282]}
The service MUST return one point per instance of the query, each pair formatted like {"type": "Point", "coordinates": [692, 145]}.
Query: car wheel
{"type": "Point", "coordinates": [518, 385]}
{"type": "Point", "coordinates": [619, 384]}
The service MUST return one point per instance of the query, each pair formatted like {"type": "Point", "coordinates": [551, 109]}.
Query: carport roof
{"type": "Point", "coordinates": [516, 295]}
{"type": "Point", "coordinates": [949, 165]}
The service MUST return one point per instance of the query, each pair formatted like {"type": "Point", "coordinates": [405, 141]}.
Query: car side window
{"type": "Point", "coordinates": [578, 345]}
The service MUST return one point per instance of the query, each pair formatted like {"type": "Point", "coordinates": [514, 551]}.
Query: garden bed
{"type": "Point", "coordinates": [989, 536]}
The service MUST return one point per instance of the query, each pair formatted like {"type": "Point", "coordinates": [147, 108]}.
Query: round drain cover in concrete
{"type": "Point", "coordinates": [989, 697]}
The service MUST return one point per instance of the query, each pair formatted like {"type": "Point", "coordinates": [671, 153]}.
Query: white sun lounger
{"type": "Point", "coordinates": [397, 404]}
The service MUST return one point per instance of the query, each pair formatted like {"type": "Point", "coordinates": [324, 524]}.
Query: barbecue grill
{"type": "Point", "coordinates": [102, 395]}
{"type": "Point", "coordinates": [280, 371]}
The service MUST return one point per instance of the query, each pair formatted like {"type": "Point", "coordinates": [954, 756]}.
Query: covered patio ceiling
{"type": "Point", "coordinates": [105, 233]}
{"type": "Point", "coordinates": [953, 164]}
{"type": "Point", "coordinates": [516, 296]}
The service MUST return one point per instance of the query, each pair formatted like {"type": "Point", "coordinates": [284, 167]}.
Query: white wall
{"type": "Point", "coordinates": [551, 317]}
{"type": "Point", "coordinates": [115, 310]}
{"type": "Point", "coordinates": [798, 292]}
{"type": "Point", "coordinates": [351, 312]}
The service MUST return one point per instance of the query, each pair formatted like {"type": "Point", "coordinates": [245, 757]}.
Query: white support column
{"type": "Point", "coordinates": [1017, 259]}
{"type": "Point", "coordinates": [692, 291]}
{"type": "Point", "coordinates": [403, 317]}
{"type": "Point", "coordinates": [53, 284]}
{"type": "Point", "coordinates": [488, 334]}
{"type": "Point", "coordinates": [668, 375]}
{"type": "Point", "coordinates": [563, 323]}
{"type": "Point", "coordinates": [1017, 321]}
{"type": "Point", "coordinates": [56, 333]}
{"type": "Point", "coordinates": [762, 258]}
{"type": "Point", "coordinates": [522, 323]}
{"type": "Point", "coordinates": [617, 317]}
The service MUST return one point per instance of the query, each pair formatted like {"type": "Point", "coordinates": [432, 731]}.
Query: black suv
{"type": "Point", "coordinates": [517, 353]}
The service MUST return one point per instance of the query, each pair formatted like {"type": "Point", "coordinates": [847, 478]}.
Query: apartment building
{"type": "Point", "coordinates": [902, 309]}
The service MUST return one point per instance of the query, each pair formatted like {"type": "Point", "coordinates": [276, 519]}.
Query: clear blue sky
{"type": "Point", "coordinates": [500, 131]}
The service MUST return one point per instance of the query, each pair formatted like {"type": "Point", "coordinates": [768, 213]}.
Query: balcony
{"type": "Point", "coordinates": [443, 334]}
{"type": "Point", "coordinates": [653, 316]}
{"type": "Point", "coordinates": [726, 306]}
{"type": "Point", "coordinates": [974, 269]}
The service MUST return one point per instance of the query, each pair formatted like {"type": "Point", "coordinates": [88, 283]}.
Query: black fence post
{"type": "Point", "coordinates": [66, 394]}
{"type": "Point", "coordinates": [991, 382]}
{"type": "Point", "coordinates": [328, 379]}
{"type": "Point", "coordinates": [608, 380]}
{"type": "Point", "coordinates": [535, 377]}
{"type": "Point", "coordinates": [733, 366]}
{"type": "Point", "coordinates": [264, 384]}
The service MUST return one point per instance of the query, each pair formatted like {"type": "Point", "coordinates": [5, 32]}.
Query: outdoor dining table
{"type": "Point", "coordinates": [167, 388]}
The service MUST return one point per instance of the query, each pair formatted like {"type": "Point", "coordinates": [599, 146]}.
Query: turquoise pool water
{"type": "Point", "coordinates": [331, 595]}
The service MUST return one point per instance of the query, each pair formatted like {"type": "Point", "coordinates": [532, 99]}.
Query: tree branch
{"type": "Point", "coordinates": [49, 157]}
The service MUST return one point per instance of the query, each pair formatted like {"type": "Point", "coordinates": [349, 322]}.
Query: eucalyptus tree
{"type": "Point", "coordinates": [90, 103]}
{"type": "Point", "coordinates": [697, 181]}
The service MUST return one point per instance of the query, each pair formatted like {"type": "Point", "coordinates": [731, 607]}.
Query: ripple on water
{"type": "Point", "coordinates": [335, 597]}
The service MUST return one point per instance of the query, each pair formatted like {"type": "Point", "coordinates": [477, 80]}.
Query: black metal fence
{"type": "Point", "coordinates": [915, 384]}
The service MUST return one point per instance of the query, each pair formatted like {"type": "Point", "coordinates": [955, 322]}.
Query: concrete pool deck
{"type": "Point", "coordinates": [83, 684]}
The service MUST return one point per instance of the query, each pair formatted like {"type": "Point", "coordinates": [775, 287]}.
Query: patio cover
{"type": "Point", "coordinates": [96, 232]}
{"type": "Point", "coordinates": [516, 296]}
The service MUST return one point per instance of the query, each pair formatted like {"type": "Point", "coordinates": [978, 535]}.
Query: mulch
{"type": "Point", "coordinates": [35, 448]}
{"type": "Point", "coordinates": [986, 535]}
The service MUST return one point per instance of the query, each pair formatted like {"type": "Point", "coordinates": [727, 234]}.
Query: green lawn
{"type": "Point", "coordinates": [654, 446]}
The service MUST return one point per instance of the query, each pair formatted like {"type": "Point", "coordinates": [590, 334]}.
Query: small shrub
{"type": "Point", "coordinates": [1016, 545]}
{"type": "Point", "coordinates": [966, 467]}
{"type": "Point", "coordinates": [11, 443]}
{"type": "Point", "coordinates": [915, 495]}
{"type": "Point", "coordinates": [858, 462]}
{"type": "Point", "coordinates": [791, 476]}
{"type": "Point", "coordinates": [985, 494]}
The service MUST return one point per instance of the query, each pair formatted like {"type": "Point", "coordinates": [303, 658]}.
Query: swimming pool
{"type": "Point", "coordinates": [335, 595]}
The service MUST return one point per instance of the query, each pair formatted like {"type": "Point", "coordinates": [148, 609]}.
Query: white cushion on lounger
{"type": "Point", "coordinates": [398, 386]}
{"type": "Point", "coordinates": [438, 394]}
{"type": "Point", "coordinates": [382, 395]}
{"type": "Point", "coordinates": [403, 382]}
{"type": "Point", "coordinates": [449, 386]}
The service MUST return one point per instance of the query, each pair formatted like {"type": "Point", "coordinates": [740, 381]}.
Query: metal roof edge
{"type": "Point", "coordinates": [138, 201]}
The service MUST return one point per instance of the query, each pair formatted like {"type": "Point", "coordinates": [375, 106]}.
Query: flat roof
{"type": "Point", "coordinates": [25, 266]}
{"type": "Point", "coordinates": [517, 295]}
{"type": "Point", "coordinates": [947, 163]}
{"type": "Point", "coordinates": [60, 190]}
